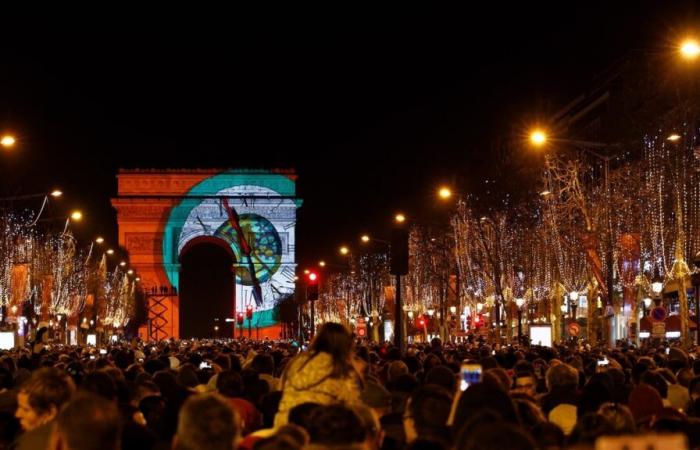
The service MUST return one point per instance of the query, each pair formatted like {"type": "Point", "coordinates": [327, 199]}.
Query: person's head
{"type": "Point", "coordinates": [479, 397]}
{"type": "Point", "coordinates": [620, 417]}
{"type": "Point", "coordinates": [496, 436]}
{"type": "Point", "coordinates": [590, 427]}
{"type": "Point", "coordinates": [263, 364]}
{"type": "Point", "coordinates": [301, 414]}
{"type": "Point", "coordinates": [335, 339]}
{"type": "Point", "coordinates": [100, 383]}
{"type": "Point", "coordinates": [207, 422]}
{"type": "Point", "coordinates": [442, 376]}
{"type": "Point", "coordinates": [41, 397]}
{"type": "Point", "coordinates": [654, 379]}
{"type": "Point", "coordinates": [370, 420]}
{"type": "Point", "coordinates": [229, 384]}
{"type": "Point", "coordinates": [427, 412]}
{"type": "Point", "coordinates": [396, 369]}
{"type": "Point", "coordinates": [88, 422]}
{"type": "Point", "coordinates": [334, 425]}
{"type": "Point", "coordinates": [562, 376]}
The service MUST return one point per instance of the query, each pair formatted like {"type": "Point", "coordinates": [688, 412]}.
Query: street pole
{"type": "Point", "coordinates": [313, 320]}
{"type": "Point", "coordinates": [398, 316]}
{"type": "Point", "coordinates": [520, 324]}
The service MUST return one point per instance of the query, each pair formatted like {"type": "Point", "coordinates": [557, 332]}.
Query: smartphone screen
{"type": "Point", "coordinates": [469, 374]}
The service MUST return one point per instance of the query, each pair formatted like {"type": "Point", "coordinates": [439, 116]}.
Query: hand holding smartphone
{"type": "Point", "coordinates": [469, 375]}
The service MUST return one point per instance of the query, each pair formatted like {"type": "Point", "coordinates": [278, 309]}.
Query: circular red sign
{"type": "Point", "coordinates": [658, 313]}
{"type": "Point", "coordinates": [574, 329]}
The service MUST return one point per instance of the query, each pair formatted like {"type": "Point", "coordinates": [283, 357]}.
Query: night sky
{"type": "Point", "coordinates": [373, 108]}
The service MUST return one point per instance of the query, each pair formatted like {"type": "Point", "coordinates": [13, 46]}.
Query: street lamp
{"type": "Point", "coordinates": [7, 141]}
{"type": "Point", "coordinates": [444, 193]}
{"type": "Point", "coordinates": [56, 193]}
{"type": "Point", "coordinates": [573, 301]}
{"type": "Point", "coordinates": [538, 137]}
{"type": "Point", "coordinates": [647, 303]}
{"type": "Point", "coordinates": [344, 250]}
{"type": "Point", "coordinates": [690, 49]}
{"type": "Point", "coordinates": [365, 238]}
{"type": "Point", "coordinates": [400, 218]}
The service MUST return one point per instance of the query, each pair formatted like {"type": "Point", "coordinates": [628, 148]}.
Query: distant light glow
{"type": "Point", "coordinates": [322, 263]}
{"type": "Point", "coordinates": [110, 252]}
{"type": "Point", "coordinates": [7, 141]}
{"type": "Point", "coordinates": [538, 137]}
{"type": "Point", "coordinates": [365, 238]}
{"type": "Point", "coordinates": [445, 193]}
{"type": "Point", "coordinates": [673, 137]}
{"type": "Point", "coordinates": [400, 218]}
{"type": "Point", "coordinates": [99, 239]}
{"type": "Point", "coordinates": [76, 215]}
{"type": "Point", "coordinates": [344, 250]}
{"type": "Point", "coordinates": [690, 49]}
{"type": "Point", "coordinates": [56, 193]}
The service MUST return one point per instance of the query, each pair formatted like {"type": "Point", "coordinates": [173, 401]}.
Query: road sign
{"type": "Point", "coordinates": [574, 329]}
{"type": "Point", "coordinates": [658, 330]}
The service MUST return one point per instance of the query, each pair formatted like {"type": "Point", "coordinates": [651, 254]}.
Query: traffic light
{"type": "Point", "coordinates": [249, 312]}
{"type": "Point", "coordinates": [399, 251]}
{"type": "Point", "coordinates": [312, 286]}
{"type": "Point", "coordinates": [239, 318]}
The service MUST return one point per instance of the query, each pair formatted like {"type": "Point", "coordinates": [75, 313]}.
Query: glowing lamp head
{"type": "Point", "coordinates": [7, 141]}
{"type": "Point", "coordinates": [657, 283]}
{"type": "Point", "coordinates": [122, 263]}
{"type": "Point", "coordinates": [453, 309]}
{"type": "Point", "coordinates": [690, 49]}
{"type": "Point", "coordinates": [344, 250]}
{"type": "Point", "coordinates": [130, 272]}
{"type": "Point", "coordinates": [573, 296]}
{"type": "Point", "coordinates": [99, 240]}
{"type": "Point", "coordinates": [400, 218]}
{"type": "Point", "coordinates": [444, 193]}
{"type": "Point", "coordinates": [431, 311]}
{"type": "Point", "coordinates": [519, 302]}
{"type": "Point", "coordinates": [364, 238]}
{"type": "Point", "coordinates": [110, 252]}
{"type": "Point", "coordinates": [322, 263]}
{"type": "Point", "coordinates": [56, 193]}
{"type": "Point", "coordinates": [563, 308]}
{"type": "Point", "coordinates": [647, 302]}
{"type": "Point", "coordinates": [479, 307]}
{"type": "Point", "coordinates": [673, 137]}
{"type": "Point", "coordinates": [76, 215]}
{"type": "Point", "coordinates": [538, 138]}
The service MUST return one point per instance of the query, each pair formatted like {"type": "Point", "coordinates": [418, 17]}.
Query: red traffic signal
{"type": "Point", "coordinates": [239, 318]}
{"type": "Point", "coordinates": [249, 312]}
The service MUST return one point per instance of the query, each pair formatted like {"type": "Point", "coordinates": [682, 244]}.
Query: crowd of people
{"type": "Point", "coordinates": [342, 393]}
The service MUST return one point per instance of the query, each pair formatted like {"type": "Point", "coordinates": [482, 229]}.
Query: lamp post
{"type": "Point", "coordinates": [573, 302]}
{"type": "Point", "coordinates": [657, 285]}
{"type": "Point", "coordinates": [563, 308]}
{"type": "Point", "coordinates": [695, 280]}
{"type": "Point", "coordinates": [519, 302]}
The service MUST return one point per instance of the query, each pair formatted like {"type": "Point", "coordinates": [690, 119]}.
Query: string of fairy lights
{"type": "Point", "coordinates": [648, 220]}
{"type": "Point", "coordinates": [50, 277]}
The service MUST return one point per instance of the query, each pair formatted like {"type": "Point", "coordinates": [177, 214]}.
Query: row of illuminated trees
{"type": "Point", "coordinates": [611, 221]}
